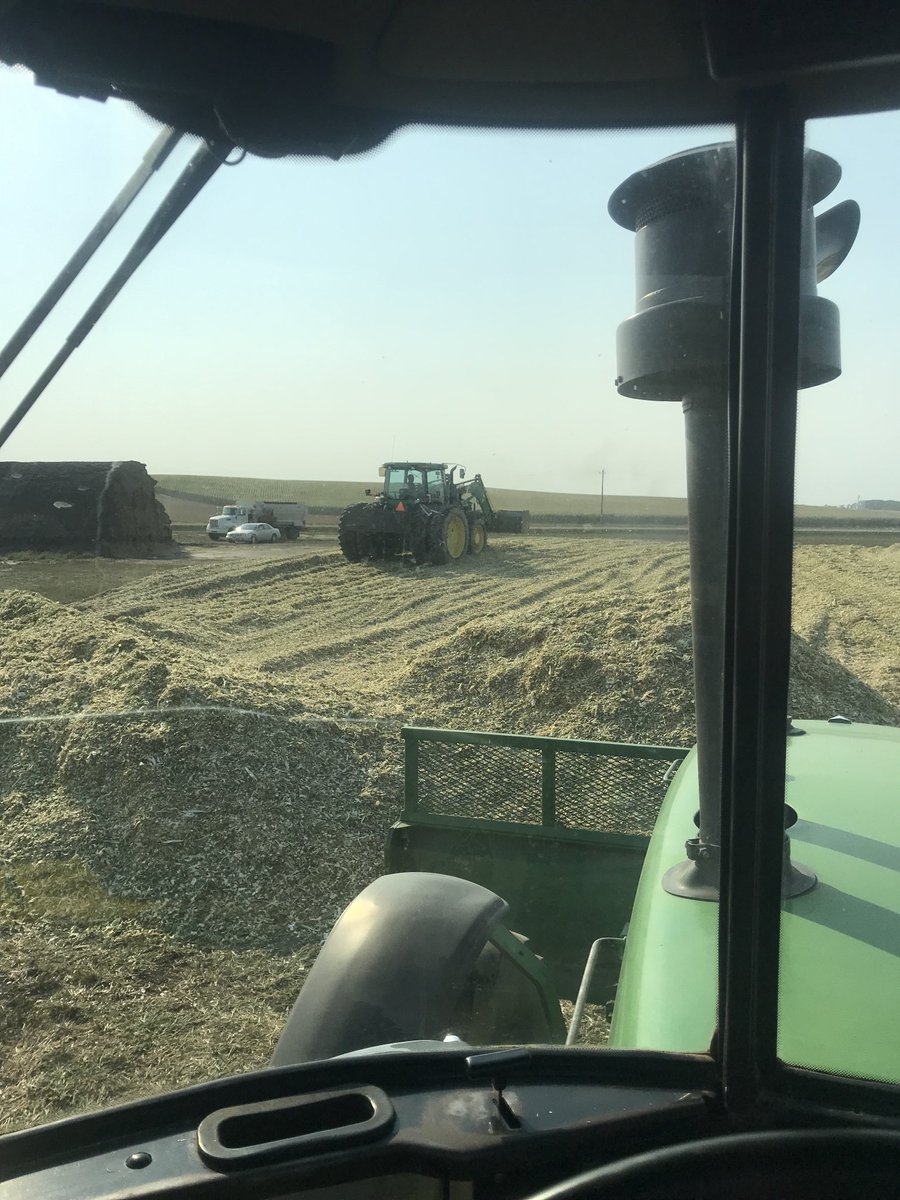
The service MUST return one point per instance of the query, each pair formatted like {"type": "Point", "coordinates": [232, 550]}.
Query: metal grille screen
{"type": "Point", "coordinates": [615, 795]}
{"type": "Point", "coordinates": [497, 782]}
{"type": "Point", "coordinates": [503, 783]}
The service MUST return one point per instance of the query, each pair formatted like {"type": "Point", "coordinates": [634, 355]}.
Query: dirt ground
{"type": "Point", "coordinates": [201, 757]}
{"type": "Point", "coordinates": [78, 576]}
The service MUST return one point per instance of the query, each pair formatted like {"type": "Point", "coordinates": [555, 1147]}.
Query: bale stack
{"type": "Point", "coordinates": [107, 508]}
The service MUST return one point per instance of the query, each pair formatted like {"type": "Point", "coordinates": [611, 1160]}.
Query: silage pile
{"type": "Point", "coordinates": [616, 667]}
{"type": "Point", "coordinates": [180, 829]}
{"type": "Point", "coordinates": [100, 507]}
{"type": "Point", "coordinates": [846, 603]}
{"type": "Point", "coordinates": [243, 820]}
{"type": "Point", "coordinates": [239, 825]}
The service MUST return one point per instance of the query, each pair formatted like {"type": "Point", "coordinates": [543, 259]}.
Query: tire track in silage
{"type": "Point", "coordinates": [435, 617]}
{"type": "Point", "coordinates": [281, 617]}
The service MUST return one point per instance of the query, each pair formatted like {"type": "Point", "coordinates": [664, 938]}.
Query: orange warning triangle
{"type": "Point", "coordinates": [401, 507]}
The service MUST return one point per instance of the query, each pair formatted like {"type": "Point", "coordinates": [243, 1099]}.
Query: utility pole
{"type": "Point", "coordinates": [602, 480]}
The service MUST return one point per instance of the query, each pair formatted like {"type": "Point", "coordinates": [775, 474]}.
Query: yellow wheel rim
{"type": "Point", "coordinates": [478, 539]}
{"type": "Point", "coordinates": [456, 536]}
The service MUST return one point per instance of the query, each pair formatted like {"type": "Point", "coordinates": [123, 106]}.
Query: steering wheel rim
{"type": "Point", "coordinates": [832, 1164]}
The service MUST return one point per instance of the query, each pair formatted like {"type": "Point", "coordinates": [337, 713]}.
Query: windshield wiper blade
{"type": "Point", "coordinates": [162, 147]}
{"type": "Point", "coordinates": [189, 183]}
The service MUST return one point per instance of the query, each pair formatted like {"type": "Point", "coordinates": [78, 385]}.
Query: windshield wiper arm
{"type": "Point", "coordinates": [162, 147]}
{"type": "Point", "coordinates": [195, 175]}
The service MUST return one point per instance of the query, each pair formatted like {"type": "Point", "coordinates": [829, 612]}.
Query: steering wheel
{"type": "Point", "coordinates": [829, 1164]}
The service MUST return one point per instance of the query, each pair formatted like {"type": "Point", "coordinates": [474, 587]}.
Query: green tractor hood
{"type": "Point", "coordinates": [840, 942]}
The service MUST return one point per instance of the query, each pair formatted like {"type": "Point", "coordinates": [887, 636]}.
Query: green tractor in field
{"type": "Point", "coordinates": [424, 511]}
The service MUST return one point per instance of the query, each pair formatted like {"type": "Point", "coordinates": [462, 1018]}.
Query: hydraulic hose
{"type": "Point", "coordinates": [192, 179]}
{"type": "Point", "coordinates": [162, 147]}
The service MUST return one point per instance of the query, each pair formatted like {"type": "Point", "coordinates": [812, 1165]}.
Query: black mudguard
{"type": "Point", "coordinates": [393, 967]}
{"type": "Point", "coordinates": [375, 518]}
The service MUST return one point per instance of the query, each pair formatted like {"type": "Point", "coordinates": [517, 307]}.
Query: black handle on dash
{"type": "Point", "coordinates": [296, 1127]}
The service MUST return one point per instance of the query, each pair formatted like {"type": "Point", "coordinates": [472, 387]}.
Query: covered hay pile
{"type": "Point", "coordinates": [105, 508]}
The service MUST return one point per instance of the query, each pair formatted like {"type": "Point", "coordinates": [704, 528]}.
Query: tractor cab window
{"type": "Point", "coordinates": [394, 482]}
{"type": "Point", "coordinates": [258, 766]}
{"type": "Point", "coordinates": [434, 481]}
{"type": "Point", "coordinates": [403, 481]}
{"type": "Point", "coordinates": [840, 928]}
{"type": "Point", "coordinates": [414, 483]}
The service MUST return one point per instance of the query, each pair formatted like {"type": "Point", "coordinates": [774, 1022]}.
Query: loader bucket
{"type": "Point", "coordinates": [558, 828]}
{"type": "Point", "coordinates": [511, 520]}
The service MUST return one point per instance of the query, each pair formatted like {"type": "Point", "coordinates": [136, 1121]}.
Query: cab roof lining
{"type": "Point", "coordinates": [283, 77]}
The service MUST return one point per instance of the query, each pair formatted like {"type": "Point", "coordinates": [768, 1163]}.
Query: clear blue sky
{"type": "Point", "coordinates": [453, 295]}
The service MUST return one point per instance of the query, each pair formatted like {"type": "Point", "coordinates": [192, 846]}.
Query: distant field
{"type": "Point", "coordinates": [188, 498]}
{"type": "Point", "coordinates": [223, 489]}
{"type": "Point", "coordinates": [189, 489]}
{"type": "Point", "coordinates": [185, 512]}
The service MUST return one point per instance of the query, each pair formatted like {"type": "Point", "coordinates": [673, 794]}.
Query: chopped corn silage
{"type": "Point", "coordinates": [215, 760]}
{"type": "Point", "coordinates": [614, 669]}
{"type": "Point", "coordinates": [238, 825]}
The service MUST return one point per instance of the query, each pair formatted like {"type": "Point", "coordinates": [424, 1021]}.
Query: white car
{"type": "Point", "coordinates": [257, 531]}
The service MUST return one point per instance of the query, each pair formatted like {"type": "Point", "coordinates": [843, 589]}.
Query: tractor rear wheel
{"type": "Point", "coordinates": [449, 536]}
{"type": "Point", "coordinates": [477, 536]}
{"type": "Point", "coordinates": [368, 545]}
{"type": "Point", "coordinates": [349, 538]}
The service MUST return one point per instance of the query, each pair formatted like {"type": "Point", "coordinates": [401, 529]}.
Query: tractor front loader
{"type": "Point", "coordinates": [497, 520]}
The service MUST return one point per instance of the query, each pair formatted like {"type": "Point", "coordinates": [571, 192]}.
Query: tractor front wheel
{"type": "Point", "coordinates": [477, 536]}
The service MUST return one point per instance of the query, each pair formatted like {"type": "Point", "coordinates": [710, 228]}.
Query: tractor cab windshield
{"type": "Point", "coordinates": [211, 752]}
{"type": "Point", "coordinates": [434, 482]}
{"type": "Point", "coordinates": [402, 481]}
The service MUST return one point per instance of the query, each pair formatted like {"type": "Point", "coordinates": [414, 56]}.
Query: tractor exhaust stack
{"type": "Point", "coordinates": [675, 348]}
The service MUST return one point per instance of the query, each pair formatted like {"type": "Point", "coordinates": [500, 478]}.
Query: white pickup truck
{"type": "Point", "coordinates": [288, 518]}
